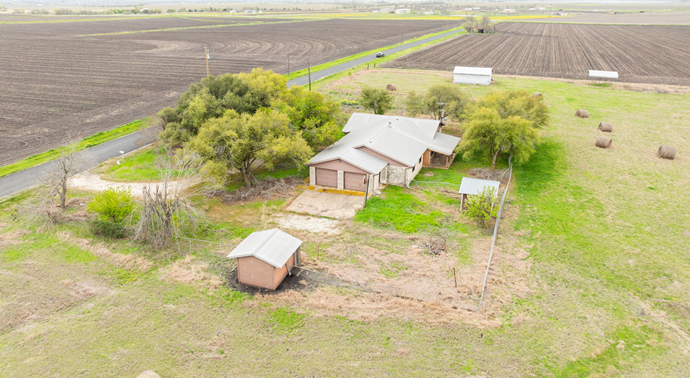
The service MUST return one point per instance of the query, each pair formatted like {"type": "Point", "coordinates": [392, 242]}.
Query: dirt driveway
{"type": "Point", "coordinates": [331, 205]}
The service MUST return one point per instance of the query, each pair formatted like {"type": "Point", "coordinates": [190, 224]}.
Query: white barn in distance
{"type": "Point", "coordinates": [603, 74]}
{"type": "Point", "coordinates": [472, 75]}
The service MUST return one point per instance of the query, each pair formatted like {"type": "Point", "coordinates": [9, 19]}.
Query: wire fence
{"type": "Point", "coordinates": [415, 184]}
{"type": "Point", "coordinates": [493, 239]}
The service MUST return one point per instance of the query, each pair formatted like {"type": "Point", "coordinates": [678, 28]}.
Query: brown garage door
{"type": "Point", "coordinates": [354, 181]}
{"type": "Point", "coordinates": [327, 177]}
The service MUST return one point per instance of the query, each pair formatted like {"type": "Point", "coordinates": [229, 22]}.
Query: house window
{"type": "Point", "coordinates": [413, 169]}
{"type": "Point", "coordinates": [420, 159]}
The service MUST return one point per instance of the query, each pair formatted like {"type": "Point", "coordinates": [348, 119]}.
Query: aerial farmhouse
{"type": "Point", "coordinates": [382, 149]}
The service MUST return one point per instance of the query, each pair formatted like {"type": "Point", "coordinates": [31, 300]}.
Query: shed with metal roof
{"type": "Point", "coordinates": [472, 186]}
{"type": "Point", "coordinates": [264, 258]}
{"type": "Point", "coordinates": [603, 74]}
{"type": "Point", "coordinates": [472, 75]}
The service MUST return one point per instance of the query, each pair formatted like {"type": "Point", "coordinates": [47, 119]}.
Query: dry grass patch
{"type": "Point", "coordinates": [191, 271]}
{"type": "Point", "coordinates": [99, 249]}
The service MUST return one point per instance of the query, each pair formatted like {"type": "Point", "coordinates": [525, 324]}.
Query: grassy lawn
{"type": "Point", "coordinates": [85, 143]}
{"type": "Point", "coordinates": [602, 235]}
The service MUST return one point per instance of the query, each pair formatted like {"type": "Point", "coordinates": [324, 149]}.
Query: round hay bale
{"type": "Point", "coordinates": [606, 127]}
{"type": "Point", "coordinates": [537, 94]}
{"type": "Point", "coordinates": [667, 152]}
{"type": "Point", "coordinates": [391, 87]}
{"type": "Point", "coordinates": [582, 113]}
{"type": "Point", "coordinates": [149, 374]}
{"type": "Point", "coordinates": [603, 142]}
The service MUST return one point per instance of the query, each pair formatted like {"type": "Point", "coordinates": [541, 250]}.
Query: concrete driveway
{"type": "Point", "coordinates": [331, 205]}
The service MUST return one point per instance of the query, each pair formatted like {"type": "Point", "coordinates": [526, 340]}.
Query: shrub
{"type": "Point", "coordinates": [378, 100]}
{"type": "Point", "coordinates": [480, 207]}
{"type": "Point", "coordinates": [108, 229]}
{"type": "Point", "coordinates": [113, 205]}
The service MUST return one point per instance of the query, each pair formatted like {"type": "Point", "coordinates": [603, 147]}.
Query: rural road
{"type": "Point", "coordinates": [28, 178]}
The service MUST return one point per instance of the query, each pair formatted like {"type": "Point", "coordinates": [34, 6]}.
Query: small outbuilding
{"type": "Point", "coordinates": [472, 75]}
{"type": "Point", "coordinates": [264, 258]}
{"type": "Point", "coordinates": [603, 74]}
{"type": "Point", "coordinates": [472, 186]}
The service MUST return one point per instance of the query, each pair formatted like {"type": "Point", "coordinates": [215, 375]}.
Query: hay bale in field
{"type": "Point", "coordinates": [582, 113]}
{"type": "Point", "coordinates": [667, 152]}
{"type": "Point", "coordinates": [391, 87]}
{"type": "Point", "coordinates": [537, 94]}
{"type": "Point", "coordinates": [148, 374]}
{"type": "Point", "coordinates": [606, 127]}
{"type": "Point", "coordinates": [603, 142]}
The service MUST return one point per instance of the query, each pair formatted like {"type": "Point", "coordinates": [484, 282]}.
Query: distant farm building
{"type": "Point", "coordinates": [264, 258]}
{"type": "Point", "coordinates": [603, 74]}
{"type": "Point", "coordinates": [403, 11]}
{"type": "Point", "coordinates": [509, 11]}
{"type": "Point", "coordinates": [472, 75]}
{"type": "Point", "coordinates": [381, 149]}
{"type": "Point", "coordinates": [472, 186]}
{"type": "Point", "coordinates": [387, 10]}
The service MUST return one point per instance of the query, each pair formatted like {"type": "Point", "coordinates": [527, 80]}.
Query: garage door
{"type": "Point", "coordinates": [354, 181]}
{"type": "Point", "coordinates": [326, 177]}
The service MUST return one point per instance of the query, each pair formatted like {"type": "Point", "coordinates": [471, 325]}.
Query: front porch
{"type": "Point", "coordinates": [432, 159]}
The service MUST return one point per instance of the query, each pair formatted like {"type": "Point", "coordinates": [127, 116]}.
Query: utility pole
{"type": "Point", "coordinates": [207, 72]}
{"type": "Point", "coordinates": [309, 72]}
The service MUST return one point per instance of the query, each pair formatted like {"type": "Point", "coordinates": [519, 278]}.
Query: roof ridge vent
{"type": "Point", "coordinates": [390, 124]}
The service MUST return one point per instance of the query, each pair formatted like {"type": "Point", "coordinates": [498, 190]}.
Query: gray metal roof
{"type": "Point", "coordinates": [473, 70]}
{"type": "Point", "coordinates": [271, 246]}
{"type": "Point", "coordinates": [399, 138]}
{"type": "Point", "coordinates": [363, 160]}
{"type": "Point", "coordinates": [474, 186]}
{"type": "Point", "coordinates": [359, 121]}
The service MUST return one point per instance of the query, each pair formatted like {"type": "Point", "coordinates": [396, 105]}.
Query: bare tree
{"type": "Point", "coordinates": [166, 208]}
{"type": "Point", "coordinates": [70, 162]}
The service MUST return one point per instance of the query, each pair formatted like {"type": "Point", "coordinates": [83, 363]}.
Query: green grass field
{"type": "Point", "coordinates": [605, 292]}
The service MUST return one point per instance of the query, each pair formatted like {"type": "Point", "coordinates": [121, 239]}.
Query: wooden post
{"type": "Point", "coordinates": [366, 189]}
{"type": "Point", "coordinates": [309, 72]}
{"type": "Point", "coordinates": [207, 72]}
{"type": "Point", "coordinates": [455, 277]}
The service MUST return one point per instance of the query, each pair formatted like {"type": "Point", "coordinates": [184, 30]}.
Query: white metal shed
{"type": "Point", "coordinates": [604, 74]}
{"type": "Point", "coordinates": [472, 75]}
{"type": "Point", "coordinates": [472, 186]}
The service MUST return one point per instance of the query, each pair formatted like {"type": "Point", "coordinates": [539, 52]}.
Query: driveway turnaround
{"type": "Point", "coordinates": [332, 205]}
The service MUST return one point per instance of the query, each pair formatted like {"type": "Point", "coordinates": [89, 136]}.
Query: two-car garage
{"type": "Point", "coordinates": [329, 178]}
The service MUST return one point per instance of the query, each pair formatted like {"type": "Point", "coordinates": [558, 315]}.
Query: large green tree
{"type": "Point", "coordinates": [248, 141]}
{"type": "Point", "coordinates": [488, 133]}
{"type": "Point", "coordinates": [316, 118]}
{"type": "Point", "coordinates": [439, 101]}
{"type": "Point", "coordinates": [378, 100]}
{"type": "Point", "coordinates": [214, 95]}
{"type": "Point", "coordinates": [514, 103]}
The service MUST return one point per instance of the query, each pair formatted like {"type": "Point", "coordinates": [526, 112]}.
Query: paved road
{"type": "Point", "coordinates": [304, 80]}
{"type": "Point", "coordinates": [30, 177]}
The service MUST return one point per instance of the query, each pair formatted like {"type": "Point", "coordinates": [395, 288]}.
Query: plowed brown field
{"type": "Point", "coordinates": [640, 54]}
{"type": "Point", "coordinates": [60, 78]}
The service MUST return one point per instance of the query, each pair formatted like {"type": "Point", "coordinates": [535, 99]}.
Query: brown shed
{"type": "Point", "coordinates": [264, 258]}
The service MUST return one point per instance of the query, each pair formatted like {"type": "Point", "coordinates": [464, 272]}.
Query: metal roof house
{"type": "Point", "coordinates": [381, 149]}
{"type": "Point", "coordinates": [472, 186]}
{"type": "Point", "coordinates": [472, 75]}
{"type": "Point", "coordinates": [264, 258]}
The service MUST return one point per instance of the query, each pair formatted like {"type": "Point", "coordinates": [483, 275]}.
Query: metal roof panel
{"type": "Point", "coordinates": [473, 186]}
{"type": "Point", "coordinates": [270, 246]}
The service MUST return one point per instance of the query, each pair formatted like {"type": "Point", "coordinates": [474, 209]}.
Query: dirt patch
{"type": "Point", "coordinates": [92, 182]}
{"type": "Point", "coordinates": [306, 223]}
{"type": "Point", "coordinates": [100, 250]}
{"type": "Point", "coordinates": [332, 205]}
{"type": "Point", "coordinates": [82, 289]}
{"type": "Point", "coordinates": [12, 237]}
{"type": "Point", "coordinates": [189, 271]}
